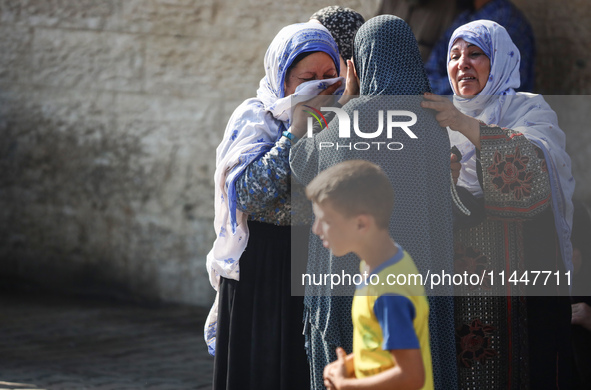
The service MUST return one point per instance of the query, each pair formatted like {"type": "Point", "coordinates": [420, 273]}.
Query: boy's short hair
{"type": "Point", "coordinates": [355, 187]}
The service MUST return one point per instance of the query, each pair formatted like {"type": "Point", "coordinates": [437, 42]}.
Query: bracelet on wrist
{"type": "Point", "coordinates": [292, 138]}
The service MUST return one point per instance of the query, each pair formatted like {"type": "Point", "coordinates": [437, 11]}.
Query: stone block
{"type": "Point", "coordinates": [167, 17]}
{"type": "Point", "coordinates": [179, 138]}
{"type": "Point", "coordinates": [162, 108]}
{"type": "Point", "coordinates": [83, 59]}
{"type": "Point", "coordinates": [221, 19]}
{"type": "Point", "coordinates": [183, 66]}
{"type": "Point", "coordinates": [80, 14]}
{"type": "Point", "coordinates": [264, 18]}
{"type": "Point", "coordinates": [15, 45]}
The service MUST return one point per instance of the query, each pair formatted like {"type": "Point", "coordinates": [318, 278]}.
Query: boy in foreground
{"type": "Point", "coordinates": [352, 204]}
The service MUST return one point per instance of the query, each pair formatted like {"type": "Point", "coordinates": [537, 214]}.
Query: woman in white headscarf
{"type": "Point", "coordinates": [255, 326]}
{"type": "Point", "coordinates": [515, 173]}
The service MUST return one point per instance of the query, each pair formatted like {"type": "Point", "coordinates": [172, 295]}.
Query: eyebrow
{"type": "Point", "coordinates": [455, 47]}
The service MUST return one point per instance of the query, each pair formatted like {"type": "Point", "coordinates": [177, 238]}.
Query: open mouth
{"type": "Point", "coordinates": [467, 78]}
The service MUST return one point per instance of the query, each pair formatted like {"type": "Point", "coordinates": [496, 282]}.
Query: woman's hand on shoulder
{"type": "Point", "coordinates": [449, 116]}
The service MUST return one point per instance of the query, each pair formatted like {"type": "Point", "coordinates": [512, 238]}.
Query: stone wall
{"type": "Point", "coordinates": [563, 41]}
{"type": "Point", "coordinates": [110, 113]}
{"type": "Point", "coordinates": [563, 67]}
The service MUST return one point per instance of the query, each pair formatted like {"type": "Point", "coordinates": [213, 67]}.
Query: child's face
{"type": "Point", "coordinates": [337, 231]}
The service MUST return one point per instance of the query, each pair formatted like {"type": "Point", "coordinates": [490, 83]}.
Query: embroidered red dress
{"type": "Point", "coordinates": [505, 340]}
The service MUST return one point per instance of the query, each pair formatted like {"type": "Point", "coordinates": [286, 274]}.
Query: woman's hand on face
{"type": "Point", "coordinates": [449, 116]}
{"type": "Point", "coordinates": [300, 116]}
{"type": "Point", "coordinates": [352, 86]}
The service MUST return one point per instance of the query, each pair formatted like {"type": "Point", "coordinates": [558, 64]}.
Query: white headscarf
{"type": "Point", "coordinates": [504, 77]}
{"type": "Point", "coordinates": [529, 114]}
{"type": "Point", "coordinates": [254, 128]}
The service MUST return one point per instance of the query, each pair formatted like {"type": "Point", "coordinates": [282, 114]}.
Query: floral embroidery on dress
{"type": "Point", "coordinates": [265, 184]}
{"type": "Point", "coordinates": [472, 261]}
{"type": "Point", "coordinates": [510, 174]}
{"type": "Point", "coordinates": [473, 343]}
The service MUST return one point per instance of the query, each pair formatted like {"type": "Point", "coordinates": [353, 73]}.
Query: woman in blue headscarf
{"type": "Point", "coordinates": [391, 77]}
{"type": "Point", "coordinates": [255, 326]}
{"type": "Point", "coordinates": [516, 173]}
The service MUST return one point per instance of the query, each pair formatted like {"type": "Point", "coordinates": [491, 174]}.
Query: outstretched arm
{"type": "Point", "coordinates": [511, 169]}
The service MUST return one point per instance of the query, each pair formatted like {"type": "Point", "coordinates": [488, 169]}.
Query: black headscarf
{"type": "Point", "coordinates": [342, 23]}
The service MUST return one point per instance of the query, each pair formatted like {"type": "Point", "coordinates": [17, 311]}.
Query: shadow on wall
{"type": "Point", "coordinates": [80, 202]}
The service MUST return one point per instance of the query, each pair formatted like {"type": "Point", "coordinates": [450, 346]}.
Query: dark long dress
{"type": "Point", "coordinates": [258, 318]}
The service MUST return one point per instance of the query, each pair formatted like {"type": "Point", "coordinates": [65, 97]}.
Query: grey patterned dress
{"type": "Point", "coordinates": [391, 74]}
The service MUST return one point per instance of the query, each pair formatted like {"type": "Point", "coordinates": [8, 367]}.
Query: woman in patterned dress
{"type": "Point", "coordinates": [255, 326]}
{"type": "Point", "coordinates": [515, 172]}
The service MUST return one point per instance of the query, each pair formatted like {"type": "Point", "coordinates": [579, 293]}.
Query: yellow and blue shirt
{"type": "Point", "coordinates": [389, 316]}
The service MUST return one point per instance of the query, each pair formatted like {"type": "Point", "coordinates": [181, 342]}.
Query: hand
{"type": "Point", "coordinates": [327, 372]}
{"type": "Point", "coordinates": [299, 119]}
{"type": "Point", "coordinates": [455, 167]}
{"type": "Point", "coordinates": [336, 372]}
{"type": "Point", "coordinates": [352, 86]}
{"type": "Point", "coordinates": [449, 116]}
{"type": "Point", "coordinates": [581, 315]}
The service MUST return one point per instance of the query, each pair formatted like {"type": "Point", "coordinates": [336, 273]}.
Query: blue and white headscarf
{"type": "Point", "coordinates": [254, 128]}
{"type": "Point", "coordinates": [504, 57]}
{"type": "Point", "coordinates": [289, 43]}
{"type": "Point", "coordinates": [529, 114]}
